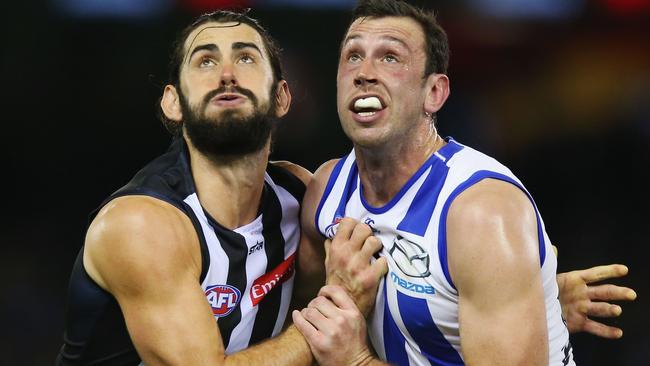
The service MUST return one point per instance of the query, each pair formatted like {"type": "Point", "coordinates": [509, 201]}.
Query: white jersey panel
{"type": "Point", "coordinates": [416, 318]}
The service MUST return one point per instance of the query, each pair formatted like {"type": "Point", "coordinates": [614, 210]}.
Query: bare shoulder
{"type": "Point", "coordinates": [324, 171]}
{"type": "Point", "coordinates": [319, 180]}
{"type": "Point", "coordinates": [134, 239]}
{"type": "Point", "coordinates": [313, 195]}
{"type": "Point", "coordinates": [303, 174]}
{"type": "Point", "coordinates": [489, 200]}
{"type": "Point", "coordinates": [491, 226]}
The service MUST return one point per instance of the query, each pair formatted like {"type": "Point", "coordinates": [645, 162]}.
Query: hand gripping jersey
{"type": "Point", "coordinates": [247, 273]}
{"type": "Point", "coordinates": [415, 320]}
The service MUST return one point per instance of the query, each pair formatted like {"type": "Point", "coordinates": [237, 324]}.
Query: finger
{"type": "Point", "coordinates": [379, 268]}
{"type": "Point", "coordinates": [316, 319]}
{"type": "Point", "coordinates": [599, 273]}
{"type": "Point", "coordinates": [610, 293]}
{"type": "Point", "coordinates": [554, 249]}
{"type": "Point", "coordinates": [328, 244]}
{"type": "Point", "coordinates": [371, 246]}
{"type": "Point", "coordinates": [604, 310]}
{"type": "Point", "coordinates": [344, 229]}
{"type": "Point", "coordinates": [306, 328]}
{"type": "Point", "coordinates": [325, 306]}
{"type": "Point", "coordinates": [360, 233]}
{"type": "Point", "coordinates": [339, 297]}
{"type": "Point", "coordinates": [602, 330]}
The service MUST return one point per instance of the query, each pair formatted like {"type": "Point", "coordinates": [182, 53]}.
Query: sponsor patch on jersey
{"type": "Point", "coordinates": [410, 257]}
{"type": "Point", "coordinates": [223, 299]}
{"type": "Point", "coordinates": [411, 286]}
{"type": "Point", "coordinates": [268, 281]}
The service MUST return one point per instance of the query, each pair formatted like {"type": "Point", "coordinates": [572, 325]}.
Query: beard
{"type": "Point", "coordinates": [229, 134]}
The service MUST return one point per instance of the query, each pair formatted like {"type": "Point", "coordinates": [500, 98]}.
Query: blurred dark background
{"type": "Point", "coordinates": [559, 90]}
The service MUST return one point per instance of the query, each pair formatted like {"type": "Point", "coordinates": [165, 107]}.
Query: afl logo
{"type": "Point", "coordinates": [222, 299]}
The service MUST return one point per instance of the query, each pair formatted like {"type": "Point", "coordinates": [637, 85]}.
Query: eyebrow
{"type": "Point", "coordinates": [390, 38]}
{"type": "Point", "coordinates": [208, 47]}
{"type": "Point", "coordinates": [214, 48]}
{"type": "Point", "coordinates": [242, 45]}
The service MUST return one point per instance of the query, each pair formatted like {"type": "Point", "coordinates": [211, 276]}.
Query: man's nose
{"type": "Point", "coordinates": [366, 74]}
{"type": "Point", "coordinates": [228, 76]}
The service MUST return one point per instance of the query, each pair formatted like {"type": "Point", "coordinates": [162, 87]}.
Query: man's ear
{"type": "Point", "coordinates": [170, 104]}
{"type": "Point", "coordinates": [282, 98]}
{"type": "Point", "coordinates": [437, 86]}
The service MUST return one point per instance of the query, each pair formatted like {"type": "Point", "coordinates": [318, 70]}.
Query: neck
{"type": "Point", "coordinates": [230, 189]}
{"type": "Point", "coordinates": [385, 169]}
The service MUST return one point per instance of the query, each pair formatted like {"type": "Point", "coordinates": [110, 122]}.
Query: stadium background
{"type": "Point", "coordinates": [559, 90]}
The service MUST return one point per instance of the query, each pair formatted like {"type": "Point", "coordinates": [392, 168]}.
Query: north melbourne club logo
{"type": "Point", "coordinates": [223, 299]}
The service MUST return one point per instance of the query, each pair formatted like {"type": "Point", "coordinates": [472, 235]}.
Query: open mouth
{"type": "Point", "coordinates": [367, 106]}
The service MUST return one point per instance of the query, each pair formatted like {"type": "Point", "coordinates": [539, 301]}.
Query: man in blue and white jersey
{"type": "Point", "coordinates": [471, 272]}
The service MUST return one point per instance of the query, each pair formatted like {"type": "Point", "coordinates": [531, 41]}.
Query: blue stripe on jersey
{"type": "Point", "coordinates": [328, 188]}
{"type": "Point", "coordinates": [450, 149]}
{"type": "Point", "coordinates": [394, 341]}
{"type": "Point", "coordinates": [475, 178]}
{"type": "Point", "coordinates": [402, 191]}
{"type": "Point", "coordinates": [419, 213]}
{"type": "Point", "coordinates": [420, 325]}
{"type": "Point", "coordinates": [350, 187]}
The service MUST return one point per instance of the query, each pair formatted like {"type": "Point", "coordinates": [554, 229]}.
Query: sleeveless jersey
{"type": "Point", "coordinates": [247, 273]}
{"type": "Point", "coordinates": [415, 320]}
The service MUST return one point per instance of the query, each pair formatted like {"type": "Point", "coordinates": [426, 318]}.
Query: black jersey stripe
{"type": "Point", "coordinates": [269, 307]}
{"type": "Point", "coordinates": [236, 249]}
{"type": "Point", "coordinates": [287, 180]}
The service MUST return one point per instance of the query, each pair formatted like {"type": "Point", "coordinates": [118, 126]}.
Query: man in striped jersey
{"type": "Point", "coordinates": [471, 272]}
{"type": "Point", "coordinates": [193, 261]}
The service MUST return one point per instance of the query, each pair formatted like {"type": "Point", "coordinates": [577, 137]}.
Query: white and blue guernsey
{"type": "Point", "coordinates": [415, 320]}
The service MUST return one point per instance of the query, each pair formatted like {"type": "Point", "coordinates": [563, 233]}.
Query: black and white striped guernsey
{"type": "Point", "coordinates": [247, 273]}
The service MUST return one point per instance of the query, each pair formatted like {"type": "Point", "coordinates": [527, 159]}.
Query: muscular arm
{"type": "Point", "coordinates": [496, 269]}
{"type": "Point", "coordinates": [145, 252]}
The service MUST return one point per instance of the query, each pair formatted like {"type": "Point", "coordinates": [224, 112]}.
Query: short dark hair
{"type": "Point", "coordinates": [219, 16]}
{"type": "Point", "coordinates": [435, 38]}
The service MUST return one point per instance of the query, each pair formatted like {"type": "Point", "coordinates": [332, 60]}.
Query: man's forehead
{"type": "Point", "coordinates": [229, 32]}
{"type": "Point", "coordinates": [402, 28]}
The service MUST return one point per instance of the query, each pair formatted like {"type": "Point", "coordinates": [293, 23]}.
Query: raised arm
{"type": "Point", "coordinates": [146, 253]}
{"type": "Point", "coordinates": [495, 267]}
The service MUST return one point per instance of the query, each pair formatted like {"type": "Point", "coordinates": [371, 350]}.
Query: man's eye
{"type": "Point", "coordinates": [246, 59]}
{"type": "Point", "coordinates": [354, 58]}
{"type": "Point", "coordinates": [390, 58]}
{"type": "Point", "coordinates": [206, 62]}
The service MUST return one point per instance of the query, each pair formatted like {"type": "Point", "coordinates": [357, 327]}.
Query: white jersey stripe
{"type": "Point", "coordinates": [291, 233]}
